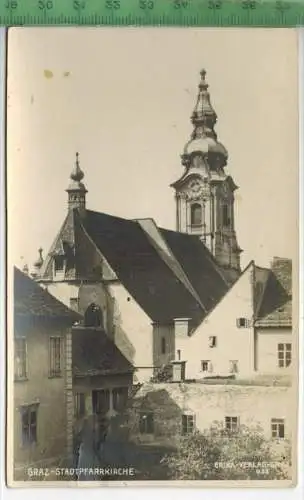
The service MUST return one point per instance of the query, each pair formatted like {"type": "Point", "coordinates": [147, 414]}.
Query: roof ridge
{"type": "Point", "coordinates": [185, 280]}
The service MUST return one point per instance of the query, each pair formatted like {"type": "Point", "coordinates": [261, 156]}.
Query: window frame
{"type": "Point", "coordinates": [277, 426]}
{"type": "Point", "coordinates": [284, 354]}
{"type": "Point", "coordinates": [232, 424]}
{"type": "Point", "coordinates": [209, 366]}
{"type": "Point", "coordinates": [79, 405]}
{"type": "Point", "coordinates": [54, 372]}
{"type": "Point", "coordinates": [24, 362]}
{"type": "Point", "coordinates": [233, 363]}
{"type": "Point", "coordinates": [188, 423]}
{"type": "Point", "coordinates": [212, 341]}
{"type": "Point", "coordinates": [242, 322]}
{"type": "Point", "coordinates": [226, 214]}
{"type": "Point", "coordinates": [193, 216]}
{"type": "Point", "coordinates": [29, 437]}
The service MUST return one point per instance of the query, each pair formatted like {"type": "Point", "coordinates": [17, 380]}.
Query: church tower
{"type": "Point", "coordinates": [205, 193]}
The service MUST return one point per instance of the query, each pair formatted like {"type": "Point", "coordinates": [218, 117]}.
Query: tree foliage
{"type": "Point", "coordinates": [217, 454]}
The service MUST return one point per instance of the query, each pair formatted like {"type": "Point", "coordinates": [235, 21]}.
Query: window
{"type": "Point", "coordinates": [120, 397]}
{"type": "Point", "coordinates": [93, 316]}
{"type": "Point", "coordinates": [79, 404]}
{"type": "Point", "coordinates": [242, 323]}
{"type": "Point", "coordinates": [233, 366]}
{"type": "Point", "coordinates": [196, 214]}
{"type": "Point", "coordinates": [188, 422]}
{"type": "Point", "coordinates": [74, 303]}
{"type": "Point", "coordinates": [178, 354]}
{"type": "Point", "coordinates": [226, 216]}
{"type": "Point", "coordinates": [101, 401]}
{"type": "Point", "coordinates": [206, 366]}
{"type": "Point", "coordinates": [20, 359]}
{"type": "Point", "coordinates": [212, 341]}
{"type": "Point", "coordinates": [29, 424]}
{"type": "Point", "coordinates": [146, 423]}
{"type": "Point", "coordinates": [163, 345]}
{"type": "Point", "coordinates": [284, 355]}
{"type": "Point", "coordinates": [231, 424]}
{"type": "Point", "coordinates": [55, 357]}
{"type": "Point", "coordinates": [277, 428]}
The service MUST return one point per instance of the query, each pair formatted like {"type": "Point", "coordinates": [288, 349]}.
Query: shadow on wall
{"type": "Point", "coordinates": [122, 341]}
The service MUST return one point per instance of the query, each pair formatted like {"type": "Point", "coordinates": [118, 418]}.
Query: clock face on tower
{"type": "Point", "coordinates": [195, 187]}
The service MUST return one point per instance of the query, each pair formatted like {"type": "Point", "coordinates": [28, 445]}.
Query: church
{"type": "Point", "coordinates": [155, 292]}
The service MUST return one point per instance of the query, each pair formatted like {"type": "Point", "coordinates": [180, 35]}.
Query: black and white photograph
{"type": "Point", "coordinates": [152, 256]}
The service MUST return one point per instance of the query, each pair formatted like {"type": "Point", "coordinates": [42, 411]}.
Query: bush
{"type": "Point", "coordinates": [219, 455]}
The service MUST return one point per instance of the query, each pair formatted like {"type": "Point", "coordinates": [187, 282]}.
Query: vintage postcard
{"type": "Point", "coordinates": [152, 201]}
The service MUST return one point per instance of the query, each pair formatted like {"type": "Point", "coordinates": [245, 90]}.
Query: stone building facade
{"type": "Point", "coordinates": [42, 391]}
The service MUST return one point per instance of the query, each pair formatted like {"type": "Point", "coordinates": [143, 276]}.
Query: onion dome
{"type": "Point", "coordinates": [203, 138]}
{"type": "Point", "coordinates": [76, 177]}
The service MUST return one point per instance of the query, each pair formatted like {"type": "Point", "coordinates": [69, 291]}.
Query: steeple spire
{"type": "Point", "coordinates": [204, 138]}
{"type": "Point", "coordinates": [77, 190]}
{"type": "Point", "coordinates": [203, 117]}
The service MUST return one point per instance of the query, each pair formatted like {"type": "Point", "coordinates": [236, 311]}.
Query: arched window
{"type": "Point", "coordinates": [226, 215]}
{"type": "Point", "coordinates": [196, 214]}
{"type": "Point", "coordinates": [93, 316]}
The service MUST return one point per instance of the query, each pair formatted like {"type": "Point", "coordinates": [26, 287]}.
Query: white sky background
{"type": "Point", "coordinates": [123, 99]}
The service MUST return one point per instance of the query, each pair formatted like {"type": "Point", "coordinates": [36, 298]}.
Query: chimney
{"type": "Point", "coordinates": [181, 327]}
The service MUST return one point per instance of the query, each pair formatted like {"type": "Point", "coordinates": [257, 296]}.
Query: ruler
{"type": "Point", "coordinates": [271, 13]}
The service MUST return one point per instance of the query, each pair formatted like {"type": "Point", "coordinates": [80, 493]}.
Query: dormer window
{"type": "Point", "coordinates": [59, 266]}
{"type": "Point", "coordinates": [59, 263]}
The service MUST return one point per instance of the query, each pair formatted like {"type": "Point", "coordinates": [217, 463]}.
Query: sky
{"type": "Point", "coordinates": [122, 98]}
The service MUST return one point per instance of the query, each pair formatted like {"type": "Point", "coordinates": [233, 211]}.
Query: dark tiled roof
{"type": "Point", "coordinates": [275, 308]}
{"type": "Point", "coordinates": [93, 353]}
{"type": "Point", "coordinates": [199, 265]}
{"type": "Point", "coordinates": [146, 275]}
{"type": "Point", "coordinates": [30, 300]}
{"type": "Point", "coordinates": [140, 268]}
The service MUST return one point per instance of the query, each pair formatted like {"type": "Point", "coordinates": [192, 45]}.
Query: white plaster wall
{"type": "Point", "coordinates": [211, 403]}
{"type": "Point", "coordinates": [233, 343]}
{"type": "Point", "coordinates": [133, 331]}
{"type": "Point", "coordinates": [63, 291]}
{"type": "Point", "coordinates": [267, 349]}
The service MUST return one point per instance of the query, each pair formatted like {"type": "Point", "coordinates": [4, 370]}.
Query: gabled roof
{"type": "Point", "coordinates": [154, 282]}
{"type": "Point", "coordinates": [94, 353]}
{"type": "Point", "coordinates": [169, 274]}
{"type": "Point", "coordinates": [275, 307]}
{"type": "Point", "coordinates": [30, 300]}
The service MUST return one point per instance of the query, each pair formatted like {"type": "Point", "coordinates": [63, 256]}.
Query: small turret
{"type": "Point", "coordinates": [77, 190]}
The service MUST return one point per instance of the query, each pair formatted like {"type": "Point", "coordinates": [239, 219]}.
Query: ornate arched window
{"type": "Point", "coordinates": [196, 214]}
{"type": "Point", "coordinates": [226, 215]}
{"type": "Point", "coordinates": [93, 316]}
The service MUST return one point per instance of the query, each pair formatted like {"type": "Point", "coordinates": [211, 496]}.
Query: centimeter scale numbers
{"type": "Point", "coordinates": [152, 12]}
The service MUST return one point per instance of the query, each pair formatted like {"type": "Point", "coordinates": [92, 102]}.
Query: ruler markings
{"type": "Point", "coordinates": [152, 12]}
